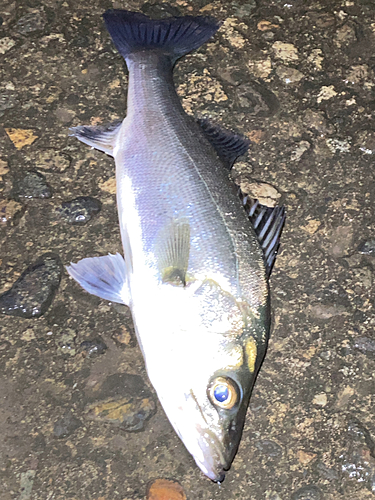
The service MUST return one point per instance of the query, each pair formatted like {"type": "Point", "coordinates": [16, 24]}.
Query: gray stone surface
{"type": "Point", "coordinates": [295, 77]}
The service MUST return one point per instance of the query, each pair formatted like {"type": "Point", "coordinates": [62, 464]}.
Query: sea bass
{"type": "Point", "coordinates": [195, 267]}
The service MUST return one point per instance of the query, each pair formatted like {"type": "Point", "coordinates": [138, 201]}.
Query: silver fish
{"type": "Point", "coordinates": [195, 267]}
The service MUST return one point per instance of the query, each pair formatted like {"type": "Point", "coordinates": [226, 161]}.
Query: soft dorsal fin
{"type": "Point", "coordinates": [268, 223]}
{"type": "Point", "coordinates": [102, 137]}
{"type": "Point", "coordinates": [228, 145]}
{"type": "Point", "coordinates": [172, 250]}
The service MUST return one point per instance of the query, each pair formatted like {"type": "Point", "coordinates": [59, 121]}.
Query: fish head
{"type": "Point", "coordinates": [210, 365]}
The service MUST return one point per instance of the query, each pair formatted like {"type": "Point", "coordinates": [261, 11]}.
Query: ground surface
{"type": "Point", "coordinates": [80, 421]}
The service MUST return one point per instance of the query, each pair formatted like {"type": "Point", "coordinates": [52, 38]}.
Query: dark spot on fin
{"type": "Point", "coordinates": [268, 224]}
{"type": "Point", "coordinates": [172, 250]}
{"type": "Point", "coordinates": [228, 145]}
{"type": "Point", "coordinates": [173, 36]}
{"type": "Point", "coordinates": [98, 137]}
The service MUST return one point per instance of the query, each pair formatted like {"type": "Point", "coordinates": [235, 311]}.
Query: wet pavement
{"type": "Point", "coordinates": [78, 418]}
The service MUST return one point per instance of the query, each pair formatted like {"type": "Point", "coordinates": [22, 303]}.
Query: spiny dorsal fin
{"type": "Point", "coordinates": [228, 145]}
{"type": "Point", "coordinates": [268, 223]}
{"type": "Point", "coordinates": [172, 251]}
{"type": "Point", "coordinates": [102, 137]}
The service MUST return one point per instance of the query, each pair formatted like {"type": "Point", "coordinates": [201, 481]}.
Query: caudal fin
{"type": "Point", "coordinates": [175, 36]}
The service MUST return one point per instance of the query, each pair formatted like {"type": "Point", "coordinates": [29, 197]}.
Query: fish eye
{"type": "Point", "coordinates": [223, 393]}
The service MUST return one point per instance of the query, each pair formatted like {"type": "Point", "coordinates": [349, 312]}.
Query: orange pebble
{"type": "Point", "coordinates": [163, 489]}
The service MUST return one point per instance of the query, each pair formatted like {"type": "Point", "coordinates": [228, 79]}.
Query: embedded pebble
{"type": "Point", "coordinates": [33, 292]}
{"type": "Point", "coordinates": [367, 247]}
{"type": "Point", "coordinates": [130, 413]}
{"type": "Point", "coordinates": [289, 75]}
{"type": "Point", "coordinates": [123, 400]}
{"type": "Point", "coordinates": [269, 448]}
{"type": "Point", "coordinates": [52, 161]}
{"type": "Point", "coordinates": [365, 345]}
{"type": "Point", "coordinates": [358, 462]}
{"type": "Point", "coordinates": [165, 489]}
{"type": "Point", "coordinates": [66, 425]}
{"type": "Point", "coordinates": [32, 185]}
{"type": "Point", "coordinates": [7, 101]}
{"type": "Point", "coordinates": [285, 51]}
{"type": "Point", "coordinates": [6, 44]}
{"type": "Point", "coordinates": [265, 193]}
{"type": "Point", "coordinates": [92, 348]}
{"type": "Point", "coordinates": [9, 210]}
{"type": "Point", "coordinates": [80, 210]}
{"type": "Point", "coordinates": [309, 492]}
{"type": "Point", "coordinates": [34, 21]}
{"type": "Point", "coordinates": [21, 137]}
{"type": "Point", "coordinates": [66, 342]}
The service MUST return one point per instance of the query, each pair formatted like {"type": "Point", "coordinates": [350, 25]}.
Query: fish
{"type": "Point", "coordinates": [197, 254]}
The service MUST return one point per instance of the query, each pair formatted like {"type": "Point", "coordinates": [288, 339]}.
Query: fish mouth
{"type": "Point", "coordinates": [213, 465]}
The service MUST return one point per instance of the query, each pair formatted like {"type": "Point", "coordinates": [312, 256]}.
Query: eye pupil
{"type": "Point", "coordinates": [221, 393]}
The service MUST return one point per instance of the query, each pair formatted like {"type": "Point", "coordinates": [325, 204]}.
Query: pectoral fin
{"type": "Point", "coordinates": [172, 251]}
{"type": "Point", "coordinates": [106, 277]}
{"type": "Point", "coordinates": [98, 137]}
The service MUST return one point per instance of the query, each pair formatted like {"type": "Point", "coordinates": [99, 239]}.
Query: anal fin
{"type": "Point", "coordinates": [99, 137]}
{"type": "Point", "coordinates": [106, 277]}
{"type": "Point", "coordinates": [228, 145]}
{"type": "Point", "coordinates": [268, 223]}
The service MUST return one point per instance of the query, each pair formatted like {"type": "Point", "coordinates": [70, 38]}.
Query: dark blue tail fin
{"type": "Point", "coordinates": [174, 36]}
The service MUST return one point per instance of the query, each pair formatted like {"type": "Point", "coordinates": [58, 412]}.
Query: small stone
{"type": "Point", "coordinates": [309, 492]}
{"type": "Point", "coordinates": [34, 21]}
{"type": "Point", "coordinates": [93, 348]}
{"type": "Point", "coordinates": [365, 345]}
{"type": "Point", "coordinates": [32, 185]}
{"type": "Point", "coordinates": [165, 489]}
{"type": "Point", "coordinates": [66, 344]}
{"type": "Point", "coordinates": [33, 292]}
{"type": "Point", "coordinates": [7, 101]}
{"type": "Point", "coordinates": [367, 247]}
{"type": "Point", "coordinates": [266, 25]}
{"type": "Point", "coordinates": [80, 210]}
{"type": "Point", "coordinates": [21, 137]}
{"type": "Point", "coordinates": [289, 75]}
{"type": "Point", "coordinates": [6, 44]}
{"type": "Point", "coordinates": [131, 414]}
{"type": "Point", "coordinates": [312, 226]}
{"type": "Point", "coordinates": [265, 193]}
{"type": "Point", "coordinates": [326, 92]}
{"type": "Point", "coordinates": [269, 448]}
{"type": "Point", "coordinates": [316, 121]}
{"type": "Point", "coordinates": [66, 425]}
{"type": "Point", "coordinates": [301, 148]}
{"type": "Point", "coordinates": [123, 400]}
{"type": "Point", "coordinates": [4, 169]}
{"type": "Point", "coordinates": [51, 160]}
{"type": "Point", "coordinates": [320, 399]}
{"type": "Point", "coordinates": [305, 457]}
{"type": "Point", "coordinates": [285, 51]}
{"type": "Point", "coordinates": [261, 68]}
{"type": "Point", "coordinates": [340, 145]}
{"type": "Point", "coordinates": [9, 210]}
{"type": "Point", "coordinates": [326, 311]}
{"type": "Point", "coordinates": [109, 186]}
{"type": "Point", "coordinates": [123, 336]}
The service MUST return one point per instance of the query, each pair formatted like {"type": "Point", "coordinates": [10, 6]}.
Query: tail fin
{"type": "Point", "coordinates": [175, 36]}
